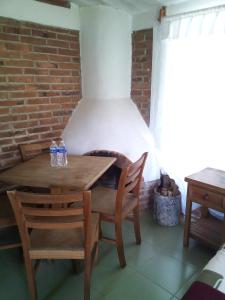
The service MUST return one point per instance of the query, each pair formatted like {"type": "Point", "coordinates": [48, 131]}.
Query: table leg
{"type": "Point", "coordinates": [187, 220]}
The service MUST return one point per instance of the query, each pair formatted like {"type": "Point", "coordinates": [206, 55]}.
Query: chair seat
{"type": "Point", "coordinates": [61, 243]}
{"type": "Point", "coordinates": [103, 201]}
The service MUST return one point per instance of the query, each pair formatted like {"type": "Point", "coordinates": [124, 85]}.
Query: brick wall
{"type": "Point", "coordinates": [40, 83]}
{"type": "Point", "coordinates": [141, 70]}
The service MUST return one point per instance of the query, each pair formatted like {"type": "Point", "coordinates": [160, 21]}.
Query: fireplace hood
{"type": "Point", "coordinates": [106, 118]}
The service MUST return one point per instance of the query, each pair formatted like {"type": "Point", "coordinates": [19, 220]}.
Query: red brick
{"type": "Point", "coordinates": [65, 37]}
{"type": "Point", "coordinates": [38, 129]}
{"type": "Point", "coordinates": [5, 155]}
{"type": "Point", "coordinates": [18, 47]}
{"type": "Point", "coordinates": [36, 56]}
{"type": "Point", "coordinates": [25, 94]}
{"type": "Point", "coordinates": [9, 148]}
{"type": "Point", "coordinates": [2, 79]}
{"type": "Point", "coordinates": [9, 54]}
{"type": "Point", "coordinates": [74, 45]}
{"type": "Point", "coordinates": [69, 106]}
{"type": "Point", "coordinates": [48, 94]}
{"type": "Point", "coordinates": [4, 126]}
{"type": "Point", "coordinates": [12, 87]}
{"type": "Point", "coordinates": [5, 141]}
{"type": "Point", "coordinates": [49, 107]}
{"type": "Point", "coordinates": [76, 73]}
{"type": "Point", "coordinates": [47, 65]}
{"type": "Point", "coordinates": [45, 49]}
{"type": "Point", "coordinates": [138, 37]}
{"type": "Point", "coordinates": [51, 135]}
{"type": "Point", "coordinates": [24, 109]}
{"type": "Point", "coordinates": [49, 121]}
{"type": "Point", "coordinates": [61, 113]}
{"type": "Point", "coordinates": [26, 139]}
{"type": "Point", "coordinates": [19, 118]}
{"type": "Point", "coordinates": [38, 87]}
{"type": "Point", "coordinates": [25, 79]}
{"type": "Point", "coordinates": [10, 70]}
{"type": "Point", "coordinates": [57, 43]}
{"type": "Point", "coordinates": [34, 71]}
{"type": "Point", "coordinates": [138, 52]}
{"type": "Point", "coordinates": [44, 34]}
{"type": "Point", "coordinates": [61, 100]}
{"type": "Point", "coordinates": [59, 58]}
{"type": "Point", "coordinates": [9, 21]}
{"type": "Point", "coordinates": [60, 72]}
{"type": "Point", "coordinates": [32, 40]}
{"type": "Point", "coordinates": [8, 37]}
{"type": "Point", "coordinates": [37, 101]}
{"type": "Point", "coordinates": [69, 52]}
{"type": "Point", "coordinates": [70, 66]}
{"type": "Point", "coordinates": [40, 115]}
{"type": "Point", "coordinates": [3, 95]}
{"type": "Point", "coordinates": [48, 79]}
{"type": "Point", "coordinates": [70, 80]}
{"type": "Point", "coordinates": [11, 103]}
{"type": "Point", "coordinates": [19, 63]}
{"type": "Point", "coordinates": [4, 111]}
{"type": "Point", "coordinates": [25, 124]}
{"type": "Point", "coordinates": [6, 134]}
{"type": "Point", "coordinates": [59, 126]}
{"type": "Point", "coordinates": [30, 55]}
{"type": "Point", "coordinates": [63, 87]}
{"type": "Point", "coordinates": [141, 70]}
{"type": "Point", "coordinates": [17, 30]}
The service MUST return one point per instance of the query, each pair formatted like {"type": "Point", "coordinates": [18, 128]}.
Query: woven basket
{"type": "Point", "coordinates": [167, 209]}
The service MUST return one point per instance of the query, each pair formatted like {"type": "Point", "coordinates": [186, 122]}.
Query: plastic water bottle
{"type": "Point", "coordinates": [62, 155]}
{"type": "Point", "coordinates": [53, 154]}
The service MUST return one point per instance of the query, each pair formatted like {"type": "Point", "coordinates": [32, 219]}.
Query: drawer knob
{"type": "Point", "coordinates": [206, 197]}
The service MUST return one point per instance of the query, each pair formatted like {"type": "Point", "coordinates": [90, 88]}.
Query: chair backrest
{"type": "Point", "coordinates": [46, 211]}
{"type": "Point", "coordinates": [130, 180]}
{"type": "Point", "coordinates": [29, 151]}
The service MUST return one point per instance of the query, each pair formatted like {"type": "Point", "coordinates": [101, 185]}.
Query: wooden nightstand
{"type": "Point", "coordinates": [206, 188]}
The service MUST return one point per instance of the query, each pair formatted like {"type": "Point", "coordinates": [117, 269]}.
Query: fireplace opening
{"type": "Point", "coordinates": [111, 177]}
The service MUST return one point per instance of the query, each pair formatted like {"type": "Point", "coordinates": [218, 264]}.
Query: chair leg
{"type": "Point", "coordinates": [100, 230]}
{"type": "Point", "coordinates": [87, 278]}
{"type": "Point", "coordinates": [137, 225]}
{"type": "Point", "coordinates": [30, 278]}
{"type": "Point", "coordinates": [119, 245]}
{"type": "Point", "coordinates": [96, 254]}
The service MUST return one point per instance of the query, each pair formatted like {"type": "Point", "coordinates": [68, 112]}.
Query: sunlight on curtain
{"type": "Point", "coordinates": [188, 105]}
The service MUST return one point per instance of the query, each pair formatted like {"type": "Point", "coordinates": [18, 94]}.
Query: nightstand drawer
{"type": "Point", "coordinates": [207, 198]}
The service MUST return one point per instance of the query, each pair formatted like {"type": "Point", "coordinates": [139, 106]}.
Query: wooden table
{"type": "Point", "coordinates": [80, 174]}
{"type": "Point", "coordinates": [206, 188]}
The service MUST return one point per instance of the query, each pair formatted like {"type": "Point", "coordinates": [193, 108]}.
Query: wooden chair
{"type": "Point", "coordinates": [116, 205]}
{"type": "Point", "coordinates": [56, 232]}
{"type": "Point", "coordinates": [7, 219]}
{"type": "Point", "coordinates": [29, 151]}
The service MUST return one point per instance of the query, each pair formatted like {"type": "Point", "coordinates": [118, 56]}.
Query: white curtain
{"type": "Point", "coordinates": [188, 94]}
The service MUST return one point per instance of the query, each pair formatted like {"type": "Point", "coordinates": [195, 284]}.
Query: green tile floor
{"type": "Point", "coordinates": [158, 269]}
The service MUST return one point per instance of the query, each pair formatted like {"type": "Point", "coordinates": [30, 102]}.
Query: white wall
{"type": "Point", "coordinates": [146, 19]}
{"type": "Point", "coordinates": [33, 11]}
{"type": "Point", "coordinates": [105, 52]}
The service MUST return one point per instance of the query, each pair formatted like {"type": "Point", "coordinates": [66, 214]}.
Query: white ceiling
{"type": "Point", "coordinates": [130, 6]}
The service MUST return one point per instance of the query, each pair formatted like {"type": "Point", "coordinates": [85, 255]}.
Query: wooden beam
{"type": "Point", "coordinates": [162, 13]}
{"type": "Point", "coordinates": [62, 3]}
